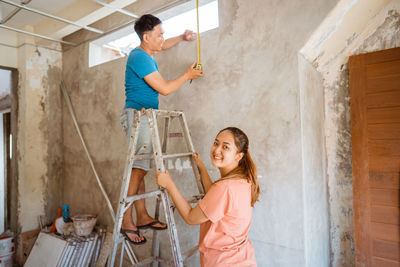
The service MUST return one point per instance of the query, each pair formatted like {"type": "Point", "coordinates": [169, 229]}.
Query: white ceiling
{"type": "Point", "coordinates": [24, 17]}
{"type": "Point", "coordinates": [87, 12]}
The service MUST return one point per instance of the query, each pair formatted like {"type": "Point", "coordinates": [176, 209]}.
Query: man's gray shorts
{"type": "Point", "coordinates": [144, 143]}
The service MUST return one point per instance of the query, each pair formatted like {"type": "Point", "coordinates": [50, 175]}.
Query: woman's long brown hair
{"type": "Point", "coordinates": [246, 167]}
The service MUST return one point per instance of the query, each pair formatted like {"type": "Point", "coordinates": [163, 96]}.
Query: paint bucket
{"type": "Point", "coordinates": [84, 224]}
{"type": "Point", "coordinates": [7, 261]}
{"type": "Point", "coordinates": [7, 249]}
{"type": "Point", "coordinates": [7, 245]}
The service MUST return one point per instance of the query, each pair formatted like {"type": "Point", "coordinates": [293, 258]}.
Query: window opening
{"type": "Point", "coordinates": [175, 21]}
{"type": "Point", "coordinates": [5, 102]}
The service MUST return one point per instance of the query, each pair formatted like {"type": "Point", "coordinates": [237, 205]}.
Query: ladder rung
{"type": "Point", "coordinates": [175, 113]}
{"type": "Point", "coordinates": [178, 155]}
{"type": "Point", "coordinates": [167, 156]}
{"type": "Point", "coordinates": [145, 195]}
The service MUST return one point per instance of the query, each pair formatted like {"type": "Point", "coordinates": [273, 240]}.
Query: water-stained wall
{"type": "Point", "coordinates": [39, 136]}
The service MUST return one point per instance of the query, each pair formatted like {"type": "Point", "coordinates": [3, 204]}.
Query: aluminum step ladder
{"type": "Point", "coordinates": [158, 155]}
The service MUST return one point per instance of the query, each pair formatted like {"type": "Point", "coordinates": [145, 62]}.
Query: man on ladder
{"type": "Point", "coordinates": [143, 84]}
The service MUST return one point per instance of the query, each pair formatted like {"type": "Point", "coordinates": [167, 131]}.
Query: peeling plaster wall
{"type": "Point", "coordinates": [36, 126]}
{"type": "Point", "coordinates": [381, 31]}
{"type": "Point", "coordinates": [251, 81]}
{"type": "Point", "coordinates": [39, 156]}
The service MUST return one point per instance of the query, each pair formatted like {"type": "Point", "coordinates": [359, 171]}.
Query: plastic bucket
{"type": "Point", "coordinates": [84, 224]}
{"type": "Point", "coordinates": [7, 246]}
{"type": "Point", "coordinates": [7, 260]}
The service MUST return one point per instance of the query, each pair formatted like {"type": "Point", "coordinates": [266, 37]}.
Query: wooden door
{"type": "Point", "coordinates": [375, 130]}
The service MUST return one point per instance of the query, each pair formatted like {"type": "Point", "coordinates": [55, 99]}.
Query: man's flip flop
{"type": "Point", "coordinates": [125, 231]}
{"type": "Point", "coordinates": [152, 226]}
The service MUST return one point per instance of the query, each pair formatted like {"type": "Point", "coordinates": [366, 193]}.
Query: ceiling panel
{"type": "Point", "coordinates": [24, 17]}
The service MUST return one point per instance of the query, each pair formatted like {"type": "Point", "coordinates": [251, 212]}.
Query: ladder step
{"type": "Point", "coordinates": [145, 195]}
{"type": "Point", "coordinates": [178, 155]}
{"type": "Point", "coordinates": [172, 113]}
{"type": "Point", "coordinates": [167, 156]}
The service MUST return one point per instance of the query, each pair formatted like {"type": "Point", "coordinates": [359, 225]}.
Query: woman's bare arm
{"type": "Point", "coordinates": [192, 216]}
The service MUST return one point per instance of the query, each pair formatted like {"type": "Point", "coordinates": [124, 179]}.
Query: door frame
{"type": "Point", "coordinates": [11, 221]}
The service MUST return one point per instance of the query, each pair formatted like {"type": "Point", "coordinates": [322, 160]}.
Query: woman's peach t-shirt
{"type": "Point", "coordinates": [224, 238]}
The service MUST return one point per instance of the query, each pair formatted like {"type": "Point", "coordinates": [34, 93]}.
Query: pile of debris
{"type": "Point", "coordinates": [51, 249]}
{"type": "Point", "coordinates": [74, 242]}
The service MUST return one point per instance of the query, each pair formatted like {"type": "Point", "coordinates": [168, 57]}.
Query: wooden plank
{"type": "Point", "coordinates": [380, 262]}
{"type": "Point", "coordinates": [388, 148]}
{"type": "Point", "coordinates": [388, 180]}
{"type": "Point", "coordinates": [384, 214]}
{"type": "Point", "coordinates": [386, 249]}
{"type": "Point", "coordinates": [384, 131]}
{"type": "Point", "coordinates": [384, 231]}
{"type": "Point", "coordinates": [383, 115]}
{"type": "Point", "coordinates": [382, 84]}
{"type": "Point", "coordinates": [383, 164]}
{"type": "Point", "coordinates": [386, 197]}
{"type": "Point", "coordinates": [383, 69]}
{"type": "Point", "coordinates": [385, 99]}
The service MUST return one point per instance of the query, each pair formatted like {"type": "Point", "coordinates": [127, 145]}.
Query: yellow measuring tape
{"type": "Point", "coordinates": [198, 65]}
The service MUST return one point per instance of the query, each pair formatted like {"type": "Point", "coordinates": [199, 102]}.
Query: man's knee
{"type": "Point", "coordinates": [139, 173]}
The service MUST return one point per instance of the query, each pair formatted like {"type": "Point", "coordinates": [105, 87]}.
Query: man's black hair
{"type": "Point", "coordinates": [146, 23]}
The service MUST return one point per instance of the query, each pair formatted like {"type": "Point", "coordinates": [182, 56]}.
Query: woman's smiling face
{"type": "Point", "coordinates": [224, 153]}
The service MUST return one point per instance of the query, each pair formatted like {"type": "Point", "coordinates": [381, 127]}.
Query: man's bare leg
{"type": "Point", "coordinates": [137, 176]}
{"type": "Point", "coordinates": [136, 186]}
{"type": "Point", "coordinates": [142, 216]}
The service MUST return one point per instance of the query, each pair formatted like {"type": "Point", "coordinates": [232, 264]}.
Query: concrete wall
{"type": "Point", "coordinates": [251, 81]}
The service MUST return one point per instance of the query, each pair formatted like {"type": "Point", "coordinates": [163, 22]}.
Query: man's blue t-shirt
{"type": "Point", "coordinates": [138, 93]}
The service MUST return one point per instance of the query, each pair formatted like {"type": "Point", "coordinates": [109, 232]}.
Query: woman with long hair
{"type": "Point", "coordinates": [224, 214]}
